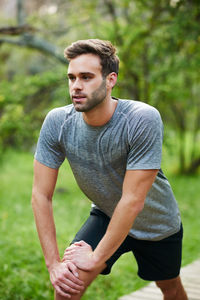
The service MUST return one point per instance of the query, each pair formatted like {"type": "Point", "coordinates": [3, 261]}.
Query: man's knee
{"type": "Point", "coordinates": [87, 277]}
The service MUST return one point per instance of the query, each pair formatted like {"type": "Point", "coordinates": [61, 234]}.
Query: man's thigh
{"type": "Point", "coordinates": [159, 260]}
{"type": "Point", "coordinates": [93, 231]}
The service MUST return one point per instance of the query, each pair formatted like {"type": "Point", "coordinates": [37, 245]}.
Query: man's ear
{"type": "Point", "coordinates": [111, 80]}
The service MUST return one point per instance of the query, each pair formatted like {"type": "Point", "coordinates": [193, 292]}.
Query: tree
{"type": "Point", "coordinates": [161, 60]}
{"type": "Point", "coordinates": [28, 37]}
{"type": "Point", "coordinates": [158, 45]}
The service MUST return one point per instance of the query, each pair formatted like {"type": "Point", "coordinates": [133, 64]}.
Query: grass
{"type": "Point", "coordinates": [23, 275]}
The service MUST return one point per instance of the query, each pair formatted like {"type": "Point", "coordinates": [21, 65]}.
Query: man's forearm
{"type": "Point", "coordinates": [135, 188]}
{"type": "Point", "coordinates": [43, 212]}
{"type": "Point", "coordinates": [119, 226]}
{"type": "Point", "coordinates": [63, 276]}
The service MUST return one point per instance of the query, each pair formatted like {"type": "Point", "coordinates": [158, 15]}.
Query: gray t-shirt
{"type": "Point", "coordinates": [99, 157]}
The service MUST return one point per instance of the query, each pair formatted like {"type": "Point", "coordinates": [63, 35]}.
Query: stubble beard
{"type": "Point", "coordinates": [96, 98]}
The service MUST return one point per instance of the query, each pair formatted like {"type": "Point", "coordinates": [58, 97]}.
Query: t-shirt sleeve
{"type": "Point", "coordinates": [145, 140]}
{"type": "Point", "coordinates": [48, 150]}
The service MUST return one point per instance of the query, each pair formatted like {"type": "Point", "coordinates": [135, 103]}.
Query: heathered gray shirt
{"type": "Point", "coordinates": [99, 157]}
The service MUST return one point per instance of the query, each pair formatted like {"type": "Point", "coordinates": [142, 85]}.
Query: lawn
{"type": "Point", "coordinates": [23, 274]}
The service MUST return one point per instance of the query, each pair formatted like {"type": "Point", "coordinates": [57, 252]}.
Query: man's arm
{"type": "Point", "coordinates": [63, 275]}
{"type": "Point", "coordinates": [135, 188]}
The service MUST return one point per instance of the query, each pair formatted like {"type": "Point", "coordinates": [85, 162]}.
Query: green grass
{"type": "Point", "coordinates": [23, 274]}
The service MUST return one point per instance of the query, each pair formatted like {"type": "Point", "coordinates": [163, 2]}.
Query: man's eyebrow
{"type": "Point", "coordinates": [70, 74]}
{"type": "Point", "coordinates": [87, 73]}
{"type": "Point", "coordinates": [82, 73]}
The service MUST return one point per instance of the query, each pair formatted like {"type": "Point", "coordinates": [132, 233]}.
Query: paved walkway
{"type": "Point", "coordinates": [191, 279]}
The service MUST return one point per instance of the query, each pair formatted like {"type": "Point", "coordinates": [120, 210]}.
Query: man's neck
{"type": "Point", "coordinates": [101, 114]}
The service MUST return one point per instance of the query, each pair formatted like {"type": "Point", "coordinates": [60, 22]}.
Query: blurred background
{"type": "Point", "coordinates": [158, 45]}
{"type": "Point", "coordinates": [157, 42]}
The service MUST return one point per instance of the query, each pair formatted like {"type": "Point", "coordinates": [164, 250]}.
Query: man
{"type": "Point", "coordinates": [114, 149]}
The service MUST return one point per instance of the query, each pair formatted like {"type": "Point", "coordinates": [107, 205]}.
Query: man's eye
{"type": "Point", "coordinates": [85, 77]}
{"type": "Point", "coordinates": [71, 78]}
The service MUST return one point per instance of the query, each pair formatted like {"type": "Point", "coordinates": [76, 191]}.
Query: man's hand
{"type": "Point", "coordinates": [64, 278]}
{"type": "Point", "coordinates": [81, 254]}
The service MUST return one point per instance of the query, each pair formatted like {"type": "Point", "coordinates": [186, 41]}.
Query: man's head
{"type": "Point", "coordinates": [92, 73]}
{"type": "Point", "coordinates": [103, 49]}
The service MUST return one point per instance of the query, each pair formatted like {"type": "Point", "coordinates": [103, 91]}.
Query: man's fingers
{"type": "Point", "coordinates": [80, 243]}
{"type": "Point", "coordinates": [70, 250]}
{"type": "Point", "coordinates": [68, 256]}
{"type": "Point", "coordinates": [74, 279]}
{"type": "Point", "coordinates": [61, 292]}
{"type": "Point", "coordinates": [66, 286]}
{"type": "Point", "coordinates": [74, 286]}
{"type": "Point", "coordinates": [70, 247]}
{"type": "Point", "coordinates": [73, 269]}
{"type": "Point", "coordinates": [70, 288]}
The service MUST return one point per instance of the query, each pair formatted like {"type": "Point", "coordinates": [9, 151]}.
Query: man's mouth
{"type": "Point", "coordinates": [78, 98]}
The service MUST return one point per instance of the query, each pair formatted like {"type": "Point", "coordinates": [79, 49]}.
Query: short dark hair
{"type": "Point", "coordinates": [104, 49]}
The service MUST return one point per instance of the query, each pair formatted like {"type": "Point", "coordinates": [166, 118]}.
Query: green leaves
{"type": "Point", "coordinates": [24, 102]}
{"type": "Point", "coordinates": [158, 45]}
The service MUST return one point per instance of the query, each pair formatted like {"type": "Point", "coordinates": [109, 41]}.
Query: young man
{"type": "Point", "coordinates": [114, 149]}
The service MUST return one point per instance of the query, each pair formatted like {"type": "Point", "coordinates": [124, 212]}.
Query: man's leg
{"type": "Point", "coordinates": [92, 232]}
{"type": "Point", "coordinates": [87, 278]}
{"type": "Point", "coordinates": [172, 289]}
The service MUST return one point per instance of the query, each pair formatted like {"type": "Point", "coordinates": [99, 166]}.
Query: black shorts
{"type": "Point", "coordinates": [157, 260]}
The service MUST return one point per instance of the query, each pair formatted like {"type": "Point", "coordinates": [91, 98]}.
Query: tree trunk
{"type": "Point", "coordinates": [28, 39]}
{"type": "Point", "coordinates": [193, 167]}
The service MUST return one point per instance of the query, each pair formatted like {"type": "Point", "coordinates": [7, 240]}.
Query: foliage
{"type": "Point", "coordinates": [24, 104]}
{"type": "Point", "coordinates": [158, 44]}
{"type": "Point", "coordinates": [23, 275]}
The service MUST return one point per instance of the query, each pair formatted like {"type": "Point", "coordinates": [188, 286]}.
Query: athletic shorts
{"type": "Point", "coordinates": [156, 260]}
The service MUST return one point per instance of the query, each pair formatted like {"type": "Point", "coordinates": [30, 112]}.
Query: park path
{"type": "Point", "coordinates": [191, 279]}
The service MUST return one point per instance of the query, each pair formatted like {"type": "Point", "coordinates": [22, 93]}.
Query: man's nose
{"type": "Point", "coordinates": [77, 85]}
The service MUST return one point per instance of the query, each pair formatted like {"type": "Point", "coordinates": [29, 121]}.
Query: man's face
{"type": "Point", "coordinates": [87, 87]}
